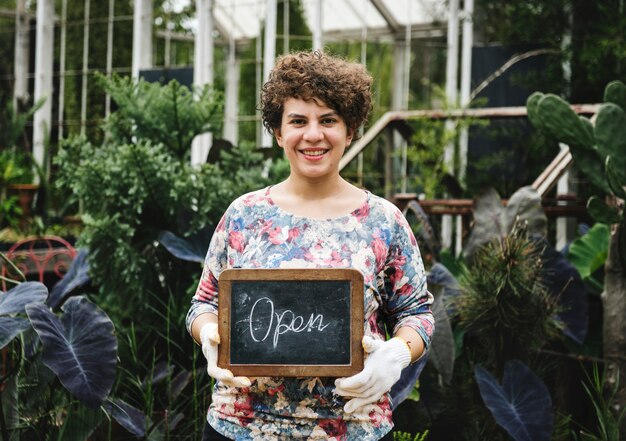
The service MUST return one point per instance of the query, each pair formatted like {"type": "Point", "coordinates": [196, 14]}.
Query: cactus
{"type": "Point", "coordinates": [599, 149]}
{"type": "Point", "coordinates": [599, 152]}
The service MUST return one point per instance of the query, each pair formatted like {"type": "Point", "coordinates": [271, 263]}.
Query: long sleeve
{"type": "Point", "coordinates": [408, 300]}
{"type": "Point", "coordinates": [206, 296]}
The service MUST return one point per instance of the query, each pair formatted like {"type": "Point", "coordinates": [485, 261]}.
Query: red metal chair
{"type": "Point", "coordinates": [38, 258]}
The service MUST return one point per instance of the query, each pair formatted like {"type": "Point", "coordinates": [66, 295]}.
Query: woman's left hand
{"type": "Point", "coordinates": [382, 369]}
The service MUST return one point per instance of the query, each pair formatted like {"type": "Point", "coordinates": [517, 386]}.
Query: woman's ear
{"type": "Point", "coordinates": [278, 136]}
{"type": "Point", "coordinates": [349, 137]}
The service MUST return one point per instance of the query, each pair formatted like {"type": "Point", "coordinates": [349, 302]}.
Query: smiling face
{"type": "Point", "coordinates": [314, 138]}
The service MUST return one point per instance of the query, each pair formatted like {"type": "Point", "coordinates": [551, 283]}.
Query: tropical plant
{"type": "Point", "coordinates": [588, 254]}
{"type": "Point", "coordinates": [598, 147]}
{"type": "Point", "coordinates": [16, 162]}
{"type": "Point", "coordinates": [507, 301]}
{"type": "Point", "coordinates": [135, 190]}
{"type": "Point", "coordinates": [521, 405]}
{"type": "Point", "coordinates": [14, 123]}
{"type": "Point", "coordinates": [75, 340]}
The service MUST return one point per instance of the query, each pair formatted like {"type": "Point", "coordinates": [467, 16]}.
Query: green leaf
{"type": "Point", "coordinates": [80, 423]}
{"type": "Point", "coordinates": [587, 125]}
{"type": "Point", "coordinates": [615, 92]}
{"type": "Point", "coordinates": [601, 212]}
{"type": "Point", "coordinates": [588, 161]}
{"type": "Point", "coordinates": [532, 106]}
{"type": "Point", "coordinates": [610, 133]}
{"type": "Point", "coordinates": [588, 253]}
{"type": "Point", "coordinates": [616, 177]}
{"type": "Point", "coordinates": [562, 122]}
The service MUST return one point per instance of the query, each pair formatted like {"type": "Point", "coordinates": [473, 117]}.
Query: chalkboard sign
{"type": "Point", "coordinates": [291, 323]}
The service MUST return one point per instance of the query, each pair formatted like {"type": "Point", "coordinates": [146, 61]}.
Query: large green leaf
{"type": "Point", "coordinates": [601, 212]}
{"type": "Point", "coordinates": [589, 162]}
{"type": "Point", "coordinates": [615, 177]}
{"type": "Point", "coordinates": [615, 92]}
{"type": "Point", "coordinates": [558, 118]}
{"type": "Point", "coordinates": [589, 252]}
{"type": "Point", "coordinates": [79, 347]}
{"type": "Point", "coordinates": [610, 133]}
{"type": "Point", "coordinates": [532, 106]}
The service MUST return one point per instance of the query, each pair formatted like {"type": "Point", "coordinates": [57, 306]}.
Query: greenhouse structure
{"type": "Point", "coordinates": [497, 129]}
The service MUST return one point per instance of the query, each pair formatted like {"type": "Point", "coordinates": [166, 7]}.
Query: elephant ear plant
{"type": "Point", "coordinates": [73, 338]}
{"type": "Point", "coordinates": [598, 146]}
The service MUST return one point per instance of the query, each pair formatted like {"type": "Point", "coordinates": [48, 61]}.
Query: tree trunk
{"type": "Point", "coordinates": [614, 322]}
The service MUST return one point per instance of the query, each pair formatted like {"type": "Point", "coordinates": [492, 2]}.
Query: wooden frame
{"type": "Point", "coordinates": [229, 278]}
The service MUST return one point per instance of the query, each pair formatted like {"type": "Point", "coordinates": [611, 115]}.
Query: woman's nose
{"type": "Point", "coordinates": [313, 132]}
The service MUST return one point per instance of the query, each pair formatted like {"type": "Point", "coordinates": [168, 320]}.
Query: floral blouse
{"type": "Point", "coordinates": [375, 239]}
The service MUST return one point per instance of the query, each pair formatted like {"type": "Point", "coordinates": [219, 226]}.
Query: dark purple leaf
{"type": "Point", "coordinates": [192, 248]}
{"type": "Point", "coordinates": [14, 300]}
{"type": "Point", "coordinates": [129, 417]}
{"type": "Point", "coordinates": [522, 405]}
{"type": "Point", "coordinates": [525, 205]}
{"type": "Point", "coordinates": [563, 280]}
{"type": "Point", "coordinates": [424, 227]}
{"type": "Point", "coordinates": [442, 347]}
{"type": "Point", "coordinates": [440, 275]}
{"type": "Point", "coordinates": [76, 277]}
{"type": "Point", "coordinates": [10, 327]}
{"type": "Point", "coordinates": [168, 423]}
{"type": "Point", "coordinates": [488, 221]}
{"type": "Point", "coordinates": [160, 371]}
{"type": "Point", "coordinates": [179, 382]}
{"type": "Point", "coordinates": [79, 347]}
{"type": "Point", "coordinates": [408, 377]}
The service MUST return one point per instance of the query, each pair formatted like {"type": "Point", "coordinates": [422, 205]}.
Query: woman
{"type": "Point", "coordinates": [314, 104]}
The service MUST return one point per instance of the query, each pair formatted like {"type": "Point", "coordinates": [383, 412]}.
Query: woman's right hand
{"type": "Point", "coordinates": [210, 339]}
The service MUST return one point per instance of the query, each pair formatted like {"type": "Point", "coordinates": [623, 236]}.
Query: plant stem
{"type": "Point", "coordinates": [3, 423]}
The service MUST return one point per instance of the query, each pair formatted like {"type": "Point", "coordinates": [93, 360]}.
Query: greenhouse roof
{"type": "Point", "coordinates": [341, 19]}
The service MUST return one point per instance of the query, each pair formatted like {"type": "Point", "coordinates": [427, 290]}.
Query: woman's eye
{"type": "Point", "coordinates": [328, 121]}
{"type": "Point", "coordinates": [297, 122]}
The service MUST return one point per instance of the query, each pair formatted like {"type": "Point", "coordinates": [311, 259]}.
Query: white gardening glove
{"type": "Point", "coordinates": [383, 365]}
{"type": "Point", "coordinates": [210, 339]}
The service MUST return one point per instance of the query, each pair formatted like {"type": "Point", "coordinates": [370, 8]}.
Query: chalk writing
{"type": "Point", "coordinates": [286, 321]}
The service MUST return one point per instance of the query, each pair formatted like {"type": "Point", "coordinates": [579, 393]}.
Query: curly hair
{"type": "Point", "coordinates": [342, 85]}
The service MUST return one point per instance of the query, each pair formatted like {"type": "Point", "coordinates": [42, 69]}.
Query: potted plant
{"type": "Point", "coordinates": [17, 168]}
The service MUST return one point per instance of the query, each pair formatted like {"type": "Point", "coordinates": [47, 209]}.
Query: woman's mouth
{"type": "Point", "coordinates": [314, 153]}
